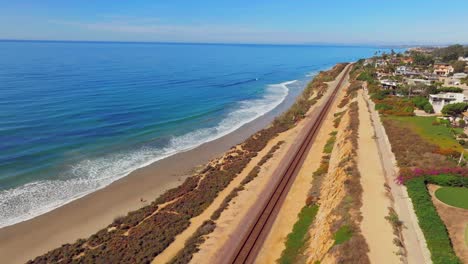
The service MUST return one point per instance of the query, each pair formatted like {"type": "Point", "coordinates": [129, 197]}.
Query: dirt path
{"type": "Point", "coordinates": [375, 202]}
{"type": "Point", "coordinates": [414, 240]}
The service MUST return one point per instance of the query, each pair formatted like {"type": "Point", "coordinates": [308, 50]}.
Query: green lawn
{"type": "Point", "coordinates": [437, 134]}
{"type": "Point", "coordinates": [454, 196]}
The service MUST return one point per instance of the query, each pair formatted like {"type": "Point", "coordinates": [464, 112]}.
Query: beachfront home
{"type": "Point", "coordinates": [401, 70]}
{"type": "Point", "coordinates": [368, 62]}
{"type": "Point", "coordinates": [442, 69]}
{"type": "Point", "coordinates": [408, 60]}
{"type": "Point", "coordinates": [465, 117]}
{"type": "Point", "coordinates": [459, 75]}
{"type": "Point", "coordinates": [430, 76]}
{"type": "Point", "coordinates": [380, 63]}
{"type": "Point", "coordinates": [456, 78]}
{"type": "Point", "coordinates": [438, 101]}
{"type": "Point", "coordinates": [416, 81]}
{"type": "Point", "coordinates": [389, 85]}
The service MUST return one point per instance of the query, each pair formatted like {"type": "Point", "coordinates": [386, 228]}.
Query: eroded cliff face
{"type": "Point", "coordinates": [339, 202]}
{"type": "Point", "coordinates": [331, 194]}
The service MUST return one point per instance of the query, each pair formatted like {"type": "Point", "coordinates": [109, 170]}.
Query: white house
{"type": "Point", "coordinates": [380, 63]}
{"type": "Point", "coordinates": [438, 101]}
{"type": "Point", "coordinates": [463, 59]}
{"type": "Point", "coordinates": [460, 75]}
{"type": "Point", "coordinates": [416, 81]}
{"type": "Point", "coordinates": [401, 70]}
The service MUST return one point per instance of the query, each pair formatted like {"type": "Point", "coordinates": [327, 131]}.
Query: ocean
{"type": "Point", "coordinates": [76, 116]}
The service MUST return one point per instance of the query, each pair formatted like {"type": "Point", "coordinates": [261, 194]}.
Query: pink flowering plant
{"type": "Point", "coordinates": [408, 174]}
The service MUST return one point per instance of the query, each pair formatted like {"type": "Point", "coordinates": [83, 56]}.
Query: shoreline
{"type": "Point", "coordinates": [82, 217]}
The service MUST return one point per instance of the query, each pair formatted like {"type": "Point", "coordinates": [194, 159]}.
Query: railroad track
{"type": "Point", "coordinates": [251, 243]}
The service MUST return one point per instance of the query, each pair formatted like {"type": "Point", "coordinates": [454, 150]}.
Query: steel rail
{"type": "Point", "coordinates": [251, 244]}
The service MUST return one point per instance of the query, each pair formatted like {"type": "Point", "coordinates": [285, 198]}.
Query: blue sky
{"type": "Point", "coordinates": [239, 21]}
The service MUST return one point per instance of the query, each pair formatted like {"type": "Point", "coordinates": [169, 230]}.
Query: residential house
{"type": "Point", "coordinates": [460, 75]}
{"type": "Point", "coordinates": [430, 76]}
{"type": "Point", "coordinates": [380, 63]}
{"type": "Point", "coordinates": [408, 60]}
{"type": "Point", "coordinates": [443, 69]}
{"type": "Point", "coordinates": [401, 70]}
{"type": "Point", "coordinates": [456, 78]}
{"type": "Point", "coordinates": [368, 62]}
{"type": "Point", "coordinates": [416, 81]}
{"type": "Point", "coordinates": [463, 59]}
{"type": "Point", "coordinates": [389, 85]}
{"type": "Point", "coordinates": [465, 117]}
{"type": "Point", "coordinates": [438, 101]}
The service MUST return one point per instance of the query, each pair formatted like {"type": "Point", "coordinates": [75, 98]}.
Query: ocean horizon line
{"type": "Point", "coordinates": [318, 44]}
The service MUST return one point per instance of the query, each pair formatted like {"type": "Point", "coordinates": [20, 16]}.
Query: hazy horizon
{"type": "Point", "coordinates": [242, 22]}
{"type": "Point", "coordinates": [383, 45]}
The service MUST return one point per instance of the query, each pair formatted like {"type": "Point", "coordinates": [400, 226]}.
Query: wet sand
{"type": "Point", "coordinates": [83, 217]}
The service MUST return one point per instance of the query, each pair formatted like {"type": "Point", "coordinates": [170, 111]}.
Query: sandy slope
{"type": "Point", "coordinates": [377, 231]}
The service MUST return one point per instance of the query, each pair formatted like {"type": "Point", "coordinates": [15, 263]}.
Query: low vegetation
{"type": "Point", "coordinates": [296, 239]}
{"type": "Point", "coordinates": [394, 106]}
{"type": "Point", "coordinates": [343, 234]}
{"type": "Point", "coordinates": [431, 130]}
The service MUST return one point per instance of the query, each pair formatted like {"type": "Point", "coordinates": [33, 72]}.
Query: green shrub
{"type": "Point", "coordinates": [343, 234]}
{"type": "Point", "coordinates": [428, 108]}
{"type": "Point", "coordinates": [420, 101]}
{"type": "Point", "coordinates": [380, 95]}
{"type": "Point", "coordinates": [450, 90]}
{"type": "Point", "coordinates": [365, 76]}
{"type": "Point", "coordinates": [297, 238]}
{"type": "Point", "coordinates": [435, 232]}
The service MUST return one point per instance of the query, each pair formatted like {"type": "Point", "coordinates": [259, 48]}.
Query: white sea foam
{"type": "Point", "coordinates": [36, 198]}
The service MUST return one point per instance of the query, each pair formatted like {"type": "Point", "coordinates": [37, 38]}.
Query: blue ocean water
{"type": "Point", "coordinates": [75, 117]}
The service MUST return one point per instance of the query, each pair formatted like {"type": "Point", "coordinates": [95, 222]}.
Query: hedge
{"type": "Point", "coordinates": [435, 232]}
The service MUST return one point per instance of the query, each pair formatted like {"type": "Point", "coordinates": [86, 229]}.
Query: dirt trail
{"type": "Point", "coordinates": [414, 240]}
{"type": "Point", "coordinates": [375, 228]}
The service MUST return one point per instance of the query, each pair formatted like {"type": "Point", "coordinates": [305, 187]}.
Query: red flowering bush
{"type": "Point", "coordinates": [407, 173]}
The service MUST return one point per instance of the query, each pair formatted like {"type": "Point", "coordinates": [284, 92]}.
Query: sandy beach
{"type": "Point", "coordinates": [85, 216]}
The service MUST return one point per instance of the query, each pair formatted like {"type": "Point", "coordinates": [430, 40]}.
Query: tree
{"type": "Point", "coordinates": [459, 66]}
{"type": "Point", "coordinates": [432, 89]}
{"type": "Point", "coordinates": [450, 53]}
{"type": "Point", "coordinates": [422, 59]}
{"type": "Point", "coordinates": [454, 110]}
{"type": "Point", "coordinates": [428, 108]}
